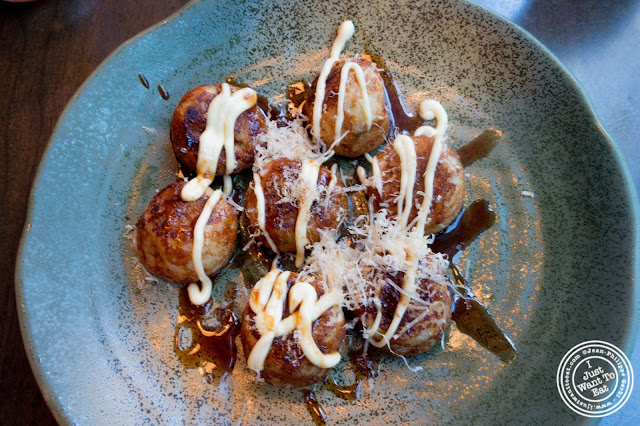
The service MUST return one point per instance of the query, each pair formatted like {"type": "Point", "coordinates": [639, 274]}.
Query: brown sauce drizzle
{"type": "Point", "coordinates": [298, 92]}
{"type": "Point", "coordinates": [143, 80]}
{"type": "Point", "coordinates": [468, 226]}
{"type": "Point", "coordinates": [471, 317]}
{"type": "Point", "coordinates": [219, 348]}
{"type": "Point", "coordinates": [270, 110]}
{"type": "Point", "coordinates": [480, 147]}
{"type": "Point", "coordinates": [365, 365]}
{"type": "Point", "coordinates": [314, 408]}
{"type": "Point", "coordinates": [400, 118]}
{"type": "Point", "coordinates": [348, 392]}
{"type": "Point", "coordinates": [163, 92]}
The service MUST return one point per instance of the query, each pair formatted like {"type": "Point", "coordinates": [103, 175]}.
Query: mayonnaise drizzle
{"type": "Point", "coordinates": [332, 183]}
{"type": "Point", "coordinates": [344, 76]}
{"type": "Point", "coordinates": [430, 109]}
{"type": "Point", "coordinates": [197, 295]}
{"type": "Point", "coordinates": [260, 206]}
{"type": "Point", "coordinates": [376, 176]}
{"type": "Point", "coordinates": [409, 287]}
{"type": "Point", "coordinates": [405, 147]}
{"type": "Point", "coordinates": [345, 32]}
{"type": "Point", "coordinates": [267, 302]}
{"type": "Point", "coordinates": [222, 114]}
{"type": "Point", "coordinates": [309, 193]}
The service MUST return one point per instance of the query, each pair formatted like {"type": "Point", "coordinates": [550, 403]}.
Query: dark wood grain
{"type": "Point", "coordinates": [47, 49]}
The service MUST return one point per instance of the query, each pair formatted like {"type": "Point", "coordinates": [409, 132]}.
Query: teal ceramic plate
{"type": "Point", "coordinates": [557, 268]}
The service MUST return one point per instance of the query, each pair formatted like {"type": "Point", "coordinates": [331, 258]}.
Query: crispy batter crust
{"type": "Point", "coordinates": [428, 331]}
{"type": "Point", "coordinates": [281, 217]}
{"type": "Point", "coordinates": [164, 235]}
{"type": "Point", "coordinates": [286, 364]}
{"type": "Point", "coordinates": [448, 189]}
{"type": "Point", "coordinates": [359, 140]}
{"type": "Point", "coordinates": [189, 121]}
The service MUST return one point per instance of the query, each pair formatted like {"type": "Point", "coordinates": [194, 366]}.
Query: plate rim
{"type": "Point", "coordinates": [629, 190]}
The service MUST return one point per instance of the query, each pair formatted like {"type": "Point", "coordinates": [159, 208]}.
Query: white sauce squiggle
{"type": "Point", "coordinates": [260, 206]}
{"type": "Point", "coordinates": [375, 173]}
{"type": "Point", "coordinates": [267, 302]}
{"type": "Point", "coordinates": [309, 181]}
{"type": "Point", "coordinates": [222, 114]}
{"type": "Point", "coordinates": [197, 295]}
{"type": "Point", "coordinates": [344, 76]}
{"type": "Point", "coordinates": [409, 287]}
{"type": "Point", "coordinates": [430, 109]}
{"type": "Point", "coordinates": [345, 32]}
{"type": "Point", "coordinates": [405, 147]}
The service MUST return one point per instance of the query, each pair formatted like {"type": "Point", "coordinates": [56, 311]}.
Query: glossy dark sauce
{"type": "Point", "coordinates": [218, 348]}
{"type": "Point", "coordinates": [348, 392]}
{"type": "Point", "coordinates": [471, 317]}
{"type": "Point", "coordinates": [400, 118]}
{"type": "Point", "coordinates": [298, 91]}
{"type": "Point", "coordinates": [163, 92]}
{"type": "Point", "coordinates": [317, 413]}
{"type": "Point", "coordinates": [480, 147]}
{"type": "Point", "coordinates": [143, 80]}
{"type": "Point", "coordinates": [365, 365]}
{"type": "Point", "coordinates": [468, 226]}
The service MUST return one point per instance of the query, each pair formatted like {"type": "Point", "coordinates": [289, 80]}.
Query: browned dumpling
{"type": "Point", "coordinates": [281, 211]}
{"type": "Point", "coordinates": [189, 121]}
{"type": "Point", "coordinates": [429, 317]}
{"type": "Point", "coordinates": [164, 235]}
{"type": "Point", "coordinates": [359, 139]}
{"type": "Point", "coordinates": [448, 190]}
{"type": "Point", "coordinates": [286, 363]}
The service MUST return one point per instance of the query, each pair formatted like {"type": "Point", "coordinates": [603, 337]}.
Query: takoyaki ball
{"type": "Point", "coordinates": [281, 205]}
{"type": "Point", "coordinates": [286, 363]}
{"type": "Point", "coordinates": [432, 312]}
{"type": "Point", "coordinates": [190, 119]}
{"type": "Point", "coordinates": [359, 139]}
{"type": "Point", "coordinates": [448, 188]}
{"type": "Point", "coordinates": [164, 235]}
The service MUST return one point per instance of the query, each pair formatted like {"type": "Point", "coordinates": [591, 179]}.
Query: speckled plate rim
{"type": "Point", "coordinates": [629, 191]}
{"type": "Point", "coordinates": [616, 153]}
{"type": "Point", "coordinates": [44, 385]}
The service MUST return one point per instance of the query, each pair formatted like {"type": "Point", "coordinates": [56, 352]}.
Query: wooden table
{"type": "Point", "coordinates": [48, 48]}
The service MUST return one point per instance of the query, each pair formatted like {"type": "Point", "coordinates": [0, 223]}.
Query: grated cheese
{"type": "Point", "coordinates": [379, 245]}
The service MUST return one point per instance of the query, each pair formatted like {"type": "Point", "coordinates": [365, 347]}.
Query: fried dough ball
{"type": "Point", "coordinates": [429, 317]}
{"type": "Point", "coordinates": [189, 121]}
{"type": "Point", "coordinates": [448, 188]}
{"type": "Point", "coordinates": [164, 235]}
{"type": "Point", "coordinates": [286, 363]}
{"type": "Point", "coordinates": [281, 207]}
{"type": "Point", "coordinates": [359, 139]}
